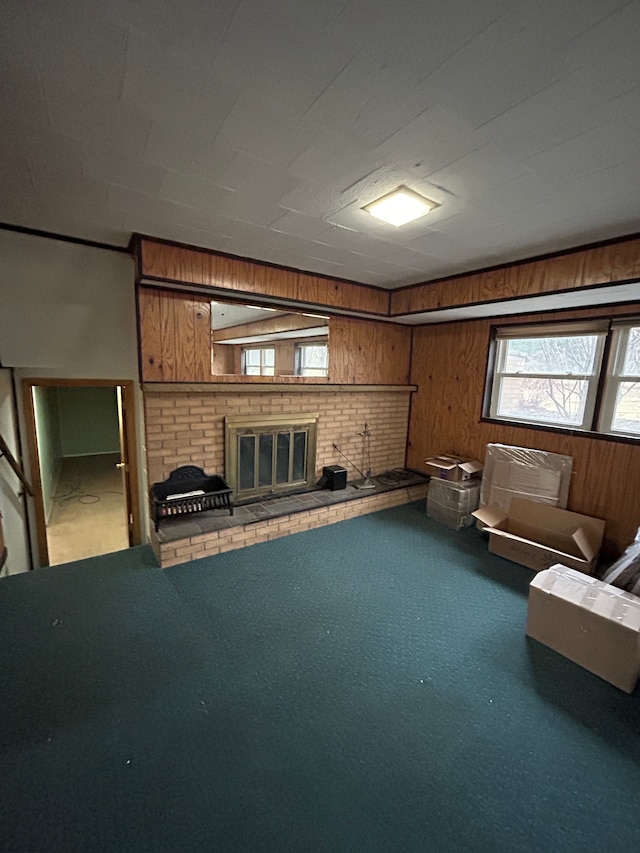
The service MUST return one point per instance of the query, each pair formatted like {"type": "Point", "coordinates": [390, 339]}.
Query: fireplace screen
{"type": "Point", "coordinates": [270, 455]}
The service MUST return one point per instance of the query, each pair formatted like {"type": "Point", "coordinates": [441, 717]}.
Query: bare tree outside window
{"type": "Point", "coordinates": [547, 379]}
{"type": "Point", "coordinates": [551, 376]}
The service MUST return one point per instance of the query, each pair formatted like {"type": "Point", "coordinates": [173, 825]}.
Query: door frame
{"type": "Point", "coordinates": [131, 469]}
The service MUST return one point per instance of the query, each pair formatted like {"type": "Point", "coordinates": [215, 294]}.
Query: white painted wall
{"type": "Point", "coordinates": [67, 311]}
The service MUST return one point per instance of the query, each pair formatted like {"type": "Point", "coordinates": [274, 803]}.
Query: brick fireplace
{"type": "Point", "coordinates": [185, 425]}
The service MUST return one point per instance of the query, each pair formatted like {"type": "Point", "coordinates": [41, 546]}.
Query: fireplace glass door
{"type": "Point", "coordinates": [270, 458]}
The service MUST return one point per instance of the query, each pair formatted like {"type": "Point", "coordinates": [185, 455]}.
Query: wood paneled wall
{"type": "Point", "coordinates": [175, 344]}
{"type": "Point", "coordinates": [288, 323]}
{"type": "Point", "coordinates": [165, 262]}
{"type": "Point", "coordinates": [449, 364]}
{"type": "Point", "coordinates": [366, 353]}
{"type": "Point", "coordinates": [224, 359]}
{"type": "Point", "coordinates": [601, 265]}
{"type": "Point", "coordinates": [175, 337]}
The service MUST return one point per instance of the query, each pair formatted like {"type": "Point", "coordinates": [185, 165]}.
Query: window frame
{"type": "Point", "coordinates": [262, 366]}
{"type": "Point", "coordinates": [615, 377]}
{"type": "Point", "coordinates": [300, 347]}
{"type": "Point", "coordinates": [605, 381]}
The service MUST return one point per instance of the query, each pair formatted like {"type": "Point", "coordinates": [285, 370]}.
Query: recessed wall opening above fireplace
{"type": "Point", "coordinates": [270, 454]}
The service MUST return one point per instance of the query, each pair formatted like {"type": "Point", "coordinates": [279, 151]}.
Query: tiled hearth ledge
{"type": "Point", "coordinates": [210, 533]}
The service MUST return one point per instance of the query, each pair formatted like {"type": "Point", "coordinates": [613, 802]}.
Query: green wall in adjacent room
{"type": "Point", "coordinates": [88, 420]}
{"type": "Point", "coordinates": [45, 404]}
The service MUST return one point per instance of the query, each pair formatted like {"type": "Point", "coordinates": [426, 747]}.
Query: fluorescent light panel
{"type": "Point", "coordinates": [400, 206]}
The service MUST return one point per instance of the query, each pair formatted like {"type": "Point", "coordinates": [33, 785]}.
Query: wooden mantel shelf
{"type": "Point", "coordinates": [268, 388]}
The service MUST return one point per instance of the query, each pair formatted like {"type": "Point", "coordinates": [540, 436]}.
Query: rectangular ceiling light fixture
{"type": "Point", "coordinates": [400, 206]}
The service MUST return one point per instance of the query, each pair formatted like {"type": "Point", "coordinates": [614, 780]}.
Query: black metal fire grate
{"type": "Point", "coordinates": [189, 490]}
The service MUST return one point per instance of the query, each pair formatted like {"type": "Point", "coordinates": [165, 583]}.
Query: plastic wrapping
{"type": "Point", "coordinates": [451, 504]}
{"type": "Point", "coordinates": [526, 473]}
{"type": "Point", "coordinates": [625, 573]}
{"type": "Point", "coordinates": [589, 622]}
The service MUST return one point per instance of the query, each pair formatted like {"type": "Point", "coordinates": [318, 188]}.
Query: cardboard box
{"type": "Point", "coordinates": [538, 536]}
{"type": "Point", "coordinates": [451, 504]}
{"type": "Point", "coordinates": [588, 621]}
{"type": "Point", "coordinates": [453, 468]}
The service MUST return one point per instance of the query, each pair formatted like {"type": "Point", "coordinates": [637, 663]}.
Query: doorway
{"type": "Point", "coordinates": [81, 437]}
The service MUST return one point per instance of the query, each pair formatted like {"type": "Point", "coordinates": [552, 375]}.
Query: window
{"type": "Point", "coordinates": [258, 361]}
{"type": "Point", "coordinates": [559, 376]}
{"type": "Point", "coordinates": [312, 359]}
{"type": "Point", "coordinates": [621, 405]}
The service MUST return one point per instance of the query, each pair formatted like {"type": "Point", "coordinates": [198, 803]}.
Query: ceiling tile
{"type": "Point", "coordinates": [21, 96]}
{"type": "Point", "coordinates": [298, 225]}
{"type": "Point", "coordinates": [195, 154]}
{"type": "Point", "coordinates": [249, 175]}
{"type": "Point", "coordinates": [262, 128]}
{"type": "Point", "coordinates": [172, 89]}
{"type": "Point", "coordinates": [607, 52]}
{"type": "Point", "coordinates": [561, 111]}
{"type": "Point", "coordinates": [193, 191]}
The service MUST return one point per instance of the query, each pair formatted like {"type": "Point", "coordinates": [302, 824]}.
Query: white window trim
{"type": "Point", "coordinates": [499, 373]}
{"type": "Point", "coordinates": [299, 369]}
{"type": "Point", "coordinates": [604, 384]}
{"type": "Point", "coordinates": [262, 351]}
{"type": "Point", "coordinates": [615, 377]}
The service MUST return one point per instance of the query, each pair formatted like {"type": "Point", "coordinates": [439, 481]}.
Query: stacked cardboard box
{"type": "Point", "coordinates": [455, 469]}
{"type": "Point", "coordinates": [452, 503]}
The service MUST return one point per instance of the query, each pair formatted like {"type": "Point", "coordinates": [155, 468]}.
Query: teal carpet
{"type": "Point", "coordinates": [362, 687]}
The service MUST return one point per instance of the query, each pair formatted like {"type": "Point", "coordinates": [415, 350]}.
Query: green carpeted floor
{"type": "Point", "coordinates": [362, 687]}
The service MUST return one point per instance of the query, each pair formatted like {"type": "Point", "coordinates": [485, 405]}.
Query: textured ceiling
{"type": "Point", "coordinates": [261, 128]}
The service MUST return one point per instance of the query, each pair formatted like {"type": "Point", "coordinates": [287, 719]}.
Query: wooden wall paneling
{"type": "Point", "coordinates": [189, 266]}
{"type": "Point", "coordinates": [175, 337]}
{"type": "Point", "coordinates": [448, 365]}
{"type": "Point", "coordinates": [624, 259]}
{"type": "Point", "coordinates": [368, 353]}
{"type": "Point", "coordinates": [285, 358]}
{"type": "Point", "coordinates": [496, 284]}
{"type": "Point", "coordinates": [599, 265]}
{"type": "Point", "coordinates": [223, 361]}
{"type": "Point", "coordinates": [400, 301]}
{"type": "Point", "coordinates": [528, 278]}
{"type": "Point", "coordinates": [562, 273]}
{"type": "Point", "coordinates": [149, 302]}
{"type": "Point", "coordinates": [170, 366]}
{"type": "Point", "coordinates": [202, 339]}
{"type": "Point", "coordinates": [308, 288]}
{"type": "Point", "coordinates": [340, 358]}
{"type": "Point", "coordinates": [285, 323]}
{"type": "Point", "coordinates": [185, 338]}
